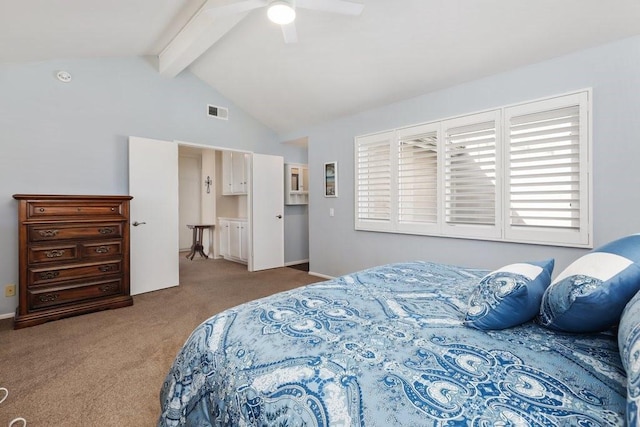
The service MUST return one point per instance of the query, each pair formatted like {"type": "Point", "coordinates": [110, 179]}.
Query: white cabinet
{"type": "Point", "coordinates": [240, 171]}
{"type": "Point", "coordinates": [238, 240]}
{"type": "Point", "coordinates": [296, 190]}
{"type": "Point", "coordinates": [235, 167]}
{"type": "Point", "coordinates": [233, 239]}
{"type": "Point", "coordinates": [223, 235]}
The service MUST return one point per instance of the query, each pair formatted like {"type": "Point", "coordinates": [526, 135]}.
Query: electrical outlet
{"type": "Point", "coordinates": [10, 290]}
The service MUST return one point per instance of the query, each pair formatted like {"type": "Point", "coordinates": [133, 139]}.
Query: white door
{"type": "Point", "coordinates": [267, 209]}
{"type": "Point", "coordinates": [235, 248]}
{"type": "Point", "coordinates": [244, 241]}
{"type": "Point", "coordinates": [153, 183]}
{"type": "Point", "coordinates": [225, 236]}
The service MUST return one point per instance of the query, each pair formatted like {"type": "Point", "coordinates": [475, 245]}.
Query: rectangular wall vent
{"type": "Point", "coordinates": [218, 112]}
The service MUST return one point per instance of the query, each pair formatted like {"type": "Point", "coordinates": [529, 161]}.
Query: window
{"type": "Point", "coordinates": [518, 173]}
{"type": "Point", "coordinates": [471, 182]}
{"type": "Point", "coordinates": [547, 198]}
{"type": "Point", "coordinates": [418, 178]}
{"type": "Point", "coordinates": [373, 181]}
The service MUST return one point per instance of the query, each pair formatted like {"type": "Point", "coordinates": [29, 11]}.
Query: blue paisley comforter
{"type": "Point", "coordinates": [385, 347]}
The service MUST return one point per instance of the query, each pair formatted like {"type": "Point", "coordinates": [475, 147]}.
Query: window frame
{"type": "Point", "coordinates": [406, 134]}
{"type": "Point", "coordinates": [549, 235]}
{"type": "Point", "coordinates": [367, 223]}
{"type": "Point", "coordinates": [501, 230]}
{"type": "Point", "coordinates": [461, 229]}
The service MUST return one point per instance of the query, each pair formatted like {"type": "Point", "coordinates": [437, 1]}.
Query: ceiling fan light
{"type": "Point", "coordinates": [281, 12]}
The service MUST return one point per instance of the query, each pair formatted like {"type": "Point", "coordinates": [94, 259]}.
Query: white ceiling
{"type": "Point", "coordinates": [396, 49]}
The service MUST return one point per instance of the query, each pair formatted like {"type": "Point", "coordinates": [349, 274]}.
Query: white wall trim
{"type": "Point", "coordinates": [324, 276]}
{"type": "Point", "coordinates": [210, 147]}
{"type": "Point", "coordinates": [7, 316]}
{"type": "Point", "coordinates": [302, 261]}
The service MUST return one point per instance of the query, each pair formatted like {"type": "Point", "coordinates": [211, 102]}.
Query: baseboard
{"type": "Point", "coordinates": [324, 276]}
{"type": "Point", "coordinates": [7, 316]}
{"type": "Point", "coordinates": [302, 261]}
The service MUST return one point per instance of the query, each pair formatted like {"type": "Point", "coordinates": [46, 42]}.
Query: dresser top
{"type": "Point", "coordinates": [69, 197]}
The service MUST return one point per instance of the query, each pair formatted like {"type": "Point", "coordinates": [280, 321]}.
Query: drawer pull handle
{"type": "Point", "coordinates": [48, 275]}
{"type": "Point", "coordinates": [106, 230]}
{"type": "Point", "coordinates": [48, 233]}
{"type": "Point", "coordinates": [41, 209]}
{"type": "Point", "coordinates": [48, 297]}
{"type": "Point", "coordinates": [107, 288]}
{"type": "Point", "coordinates": [55, 253]}
{"type": "Point", "coordinates": [105, 268]}
{"type": "Point", "coordinates": [102, 250]}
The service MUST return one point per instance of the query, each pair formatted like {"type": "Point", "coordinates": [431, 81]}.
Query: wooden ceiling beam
{"type": "Point", "coordinates": [212, 21]}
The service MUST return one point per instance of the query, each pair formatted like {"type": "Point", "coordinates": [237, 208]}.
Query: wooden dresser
{"type": "Point", "coordinates": [74, 256]}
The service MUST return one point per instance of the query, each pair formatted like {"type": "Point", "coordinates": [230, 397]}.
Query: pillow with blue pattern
{"type": "Point", "coordinates": [629, 344]}
{"type": "Point", "coordinates": [590, 294]}
{"type": "Point", "coordinates": [509, 296]}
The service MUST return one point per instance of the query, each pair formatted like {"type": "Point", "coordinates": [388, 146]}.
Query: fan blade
{"type": "Point", "coordinates": [345, 7]}
{"type": "Point", "coordinates": [289, 32]}
{"type": "Point", "coordinates": [219, 9]}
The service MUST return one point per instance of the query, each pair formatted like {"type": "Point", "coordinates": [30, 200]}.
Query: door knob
{"type": "Point", "coordinates": [136, 223]}
{"type": "Point", "coordinates": [279, 216]}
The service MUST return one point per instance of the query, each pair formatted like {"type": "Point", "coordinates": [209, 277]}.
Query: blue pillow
{"type": "Point", "coordinates": [629, 344]}
{"type": "Point", "coordinates": [509, 296]}
{"type": "Point", "coordinates": [590, 294]}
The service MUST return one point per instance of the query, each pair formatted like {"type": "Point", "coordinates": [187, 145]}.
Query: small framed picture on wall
{"type": "Point", "coordinates": [331, 179]}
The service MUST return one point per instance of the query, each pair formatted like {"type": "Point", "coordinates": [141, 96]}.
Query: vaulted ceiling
{"type": "Point", "coordinates": [393, 50]}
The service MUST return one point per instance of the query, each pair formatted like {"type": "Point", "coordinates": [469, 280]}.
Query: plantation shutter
{"type": "Point", "coordinates": [547, 170]}
{"type": "Point", "coordinates": [418, 178]}
{"type": "Point", "coordinates": [470, 180]}
{"type": "Point", "coordinates": [519, 173]}
{"type": "Point", "coordinates": [373, 174]}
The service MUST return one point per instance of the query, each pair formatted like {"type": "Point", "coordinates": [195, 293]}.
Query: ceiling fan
{"type": "Point", "coordinates": [283, 12]}
{"type": "Point", "coordinates": [215, 18]}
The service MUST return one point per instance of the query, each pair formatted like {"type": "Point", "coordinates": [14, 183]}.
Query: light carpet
{"type": "Point", "coordinates": [106, 368]}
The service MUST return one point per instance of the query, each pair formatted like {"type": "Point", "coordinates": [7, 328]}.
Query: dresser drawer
{"type": "Point", "coordinates": [63, 294]}
{"type": "Point", "coordinates": [73, 209]}
{"type": "Point", "coordinates": [40, 233]}
{"type": "Point", "coordinates": [44, 275]}
{"type": "Point", "coordinates": [49, 253]}
{"type": "Point", "coordinates": [101, 249]}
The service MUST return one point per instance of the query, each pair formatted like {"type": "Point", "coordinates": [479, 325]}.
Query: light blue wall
{"type": "Point", "coordinates": [296, 221]}
{"type": "Point", "coordinates": [296, 217]}
{"type": "Point", "coordinates": [613, 71]}
{"type": "Point", "coordinates": [71, 138]}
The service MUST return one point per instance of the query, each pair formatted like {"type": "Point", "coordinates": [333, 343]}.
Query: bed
{"type": "Point", "coordinates": [393, 345]}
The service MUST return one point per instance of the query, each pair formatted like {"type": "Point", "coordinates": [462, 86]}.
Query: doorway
{"type": "Point", "coordinates": [213, 189]}
{"type": "Point", "coordinates": [189, 197]}
{"type": "Point", "coordinates": [153, 183]}
{"type": "Point", "coordinates": [197, 196]}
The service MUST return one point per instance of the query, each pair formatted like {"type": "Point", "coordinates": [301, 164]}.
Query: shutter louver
{"type": "Point", "coordinates": [418, 179]}
{"type": "Point", "coordinates": [544, 169]}
{"type": "Point", "coordinates": [470, 174]}
{"type": "Point", "coordinates": [373, 179]}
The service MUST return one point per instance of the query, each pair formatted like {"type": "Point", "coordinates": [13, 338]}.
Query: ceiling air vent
{"type": "Point", "coordinates": [218, 112]}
